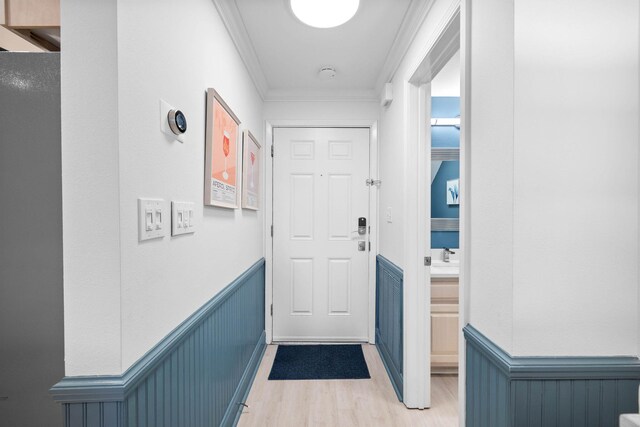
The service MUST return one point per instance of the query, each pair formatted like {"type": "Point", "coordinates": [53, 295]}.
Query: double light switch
{"type": "Point", "coordinates": [150, 219]}
{"type": "Point", "coordinates": [182, 221]}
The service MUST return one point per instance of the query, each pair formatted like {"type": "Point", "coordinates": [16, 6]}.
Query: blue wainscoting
{"type": "Point", "coordinates": [389, 319]}
{"type": "Point", "coordinates": [502, 390]}
{"type": "Point", "coordinates": [196, 376]}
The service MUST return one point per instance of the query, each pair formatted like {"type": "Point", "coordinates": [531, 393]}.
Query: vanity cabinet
{"type": "Point", "coordinates": [444, 325]}
{"type": "Point", "coordinates": [29, 13]}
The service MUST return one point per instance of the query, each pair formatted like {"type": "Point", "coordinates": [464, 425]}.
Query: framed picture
{"type": "Point", "coordinates": [250, 171]}
{"type": "Point", "coordinates": [221, 154]}
{"type": "Point", "coordinates": [453, 192]}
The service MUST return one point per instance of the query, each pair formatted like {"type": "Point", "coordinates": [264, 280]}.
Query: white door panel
{"type": "Point", "coordinates": [320, 278]}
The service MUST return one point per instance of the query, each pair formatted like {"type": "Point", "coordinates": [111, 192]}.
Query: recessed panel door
{"type": "Point", "coordinates": [320, 261]}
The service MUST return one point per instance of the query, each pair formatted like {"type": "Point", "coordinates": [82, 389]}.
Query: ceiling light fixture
{"type": "Point", "coordinates": [324, 13]}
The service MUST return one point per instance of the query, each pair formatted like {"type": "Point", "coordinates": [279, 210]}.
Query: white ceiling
{"type": "Point", "coordinates": [284, 55]}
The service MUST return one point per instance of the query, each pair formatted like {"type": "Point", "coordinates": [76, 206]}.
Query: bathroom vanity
{"type": "Point", "coordinates": [444, 317]}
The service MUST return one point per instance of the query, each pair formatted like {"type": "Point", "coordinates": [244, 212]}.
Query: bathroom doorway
{"type": "Point", "coordinates": [445, 218]}
{"type": "Point", "coordinates": [440, 220]}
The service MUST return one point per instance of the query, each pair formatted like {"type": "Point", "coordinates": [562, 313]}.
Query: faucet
{"type": "Point", "coordinates": [445, 254]}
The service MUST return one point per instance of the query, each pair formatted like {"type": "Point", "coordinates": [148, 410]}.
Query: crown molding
{"type": "Point", "coordinates": [414, 17]}
{"type": "Point", "coordinates": [230, 15]}
{"type": "Point", "coordinates": [302, 95]}
{"type": "Point", "coordinates": [232, 19]}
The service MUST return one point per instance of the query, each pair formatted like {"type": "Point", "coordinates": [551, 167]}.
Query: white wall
{"type": "Point", "coordinates": [90, 187]}
{"type": "Point", "coordinates": [490, 152]}
{"type": "Point", "coordinates": [554, 169]}
{"type": "Point", "coordinates": [393, 152]}
{"type": "Point", "coordinates": [321, 110]}
{"type": "Point", "coordinates": [123, 296]}
{"type": "Point", "coordinates": [575, 182]}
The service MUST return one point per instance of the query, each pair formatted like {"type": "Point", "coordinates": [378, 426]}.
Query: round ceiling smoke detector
{"type": "Point", "coordinates": [327, 73]}
{"type": "Point", "coordinates": [324, 13]}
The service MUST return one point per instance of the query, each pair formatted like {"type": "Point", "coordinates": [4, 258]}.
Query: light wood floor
{"type": "Point", "coordinates": [367, 403]}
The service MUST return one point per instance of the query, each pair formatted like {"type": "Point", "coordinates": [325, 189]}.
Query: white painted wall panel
{"type": "Point", "coordinates": [321, 110]}
{"type": "Point", "coordinates": [576, 178]}
{"type": "Point", "coordinates": [164, 282]}
{"type": "Point", "coordinates": [122, 296]}
{"type": "Point", "coordinates": [90, 188]}
{"type": "Point", "coordinates": [491, 156]}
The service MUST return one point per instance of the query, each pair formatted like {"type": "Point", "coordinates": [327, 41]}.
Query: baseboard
{"type": "Point", "coordinates": [197, 375]}
{"type": "Point", "coordinates": [507, 391]}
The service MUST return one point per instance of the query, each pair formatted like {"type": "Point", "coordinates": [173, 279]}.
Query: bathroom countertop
{"type": "Point", "coordinates": [442, 270]}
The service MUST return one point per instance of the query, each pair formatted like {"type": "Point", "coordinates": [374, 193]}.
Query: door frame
{"type": "Point", "coordinates": [268, 211]}
{"type": "Point", "coordinates": [452, 32]}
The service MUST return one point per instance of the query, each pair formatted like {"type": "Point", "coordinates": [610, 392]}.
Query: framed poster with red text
{"type": "Point", "coordinates": [221, 154]}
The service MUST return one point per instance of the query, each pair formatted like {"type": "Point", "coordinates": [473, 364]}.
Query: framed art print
{"type": "Point", "coordinates": [250, 171]}
{"type": "Point", "coordinates": [221, 154]}
{"type": "Point", "coordinates": [453, 192]}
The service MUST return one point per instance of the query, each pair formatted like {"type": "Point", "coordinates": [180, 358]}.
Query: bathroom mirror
{"type": "Point", "coordinates": [445, 171]}
{"type": "Point", "coordinates": [445, 174]}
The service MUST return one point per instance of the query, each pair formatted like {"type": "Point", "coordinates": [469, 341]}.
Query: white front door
{"type": "Point", "coordinates": [320, 272]}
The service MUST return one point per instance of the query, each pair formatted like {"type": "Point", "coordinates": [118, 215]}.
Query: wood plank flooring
{"type": "Point", "coordinates": [345, 402]}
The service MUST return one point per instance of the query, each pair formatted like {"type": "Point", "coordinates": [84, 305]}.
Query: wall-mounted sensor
{"type": "Point", "coordinates": [177, 122]}
{"type": "Point", "coordinates": [172, 122]}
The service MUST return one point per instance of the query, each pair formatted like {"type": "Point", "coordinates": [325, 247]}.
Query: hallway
{"type": "Point", "coordinates": [344, 402]}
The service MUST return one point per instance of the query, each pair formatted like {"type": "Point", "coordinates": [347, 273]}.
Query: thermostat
{"type": "Point", "coordinates": [177, 122]}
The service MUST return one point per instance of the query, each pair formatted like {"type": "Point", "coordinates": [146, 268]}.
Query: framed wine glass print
{"type": "Point", "coordinates": [221, 154]}
{"type": "Point", "coordinates": [250, 171]}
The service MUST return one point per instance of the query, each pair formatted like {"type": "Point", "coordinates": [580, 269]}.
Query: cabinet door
{"type": "Point", "coordinates": [31, 14]}
{"type": "Point", "coordinates": [444, 338]}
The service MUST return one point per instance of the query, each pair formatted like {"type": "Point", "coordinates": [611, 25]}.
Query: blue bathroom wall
{"type": "Point", "coordinates": [439, 206]}
{"type": "Point", "coordinates": [444, 137]}
{"type": "Point", "coordinates": [445, 107]}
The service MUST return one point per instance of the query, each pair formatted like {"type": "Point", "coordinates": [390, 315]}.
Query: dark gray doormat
{"type": "Point", "coordinates": [319, 362]}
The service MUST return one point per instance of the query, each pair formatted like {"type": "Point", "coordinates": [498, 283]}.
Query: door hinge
{"type": "Point", "coordinates": [272, 231]}
{"type": "Point", "coordinates": [271, 309]}
{"type": "Point", "coordinates": [371, 182]}
{"type": "Point", "coordinates": [369, 246]}
{"type": "Point", "coordinates": [271, 150]}
{"type": "Point", "coordinates": [427, 261]}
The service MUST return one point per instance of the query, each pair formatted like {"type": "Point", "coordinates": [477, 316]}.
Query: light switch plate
{"type": "Point", "coordinates": [389, 215]}
{"type": "Point", "coordinates": [182, 218]}
{"type": "Point", "coordinates": [151, 219]}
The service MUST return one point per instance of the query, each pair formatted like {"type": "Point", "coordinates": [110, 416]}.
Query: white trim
{"type": "Point", "coordinates": [268, 239]}
{"type": "Point", "coordinates": [373, 214]}
{"type": "Point", "coordinates": [318, 340]}
{"type": "Point", "coordinates": [230, 15]}
{"type": "Point", "coordinates": [412, 21]}
{"type": "Point", "coordinates": [303, 95]}
{"type": "Point", "coordinates": [465, 195]}
{"type": "Point", "coordinates": [417, 282]}
{"type": "Point", "coordinates": [373, 222]}
{"type": "Point", "coordinates": [414, 17]}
